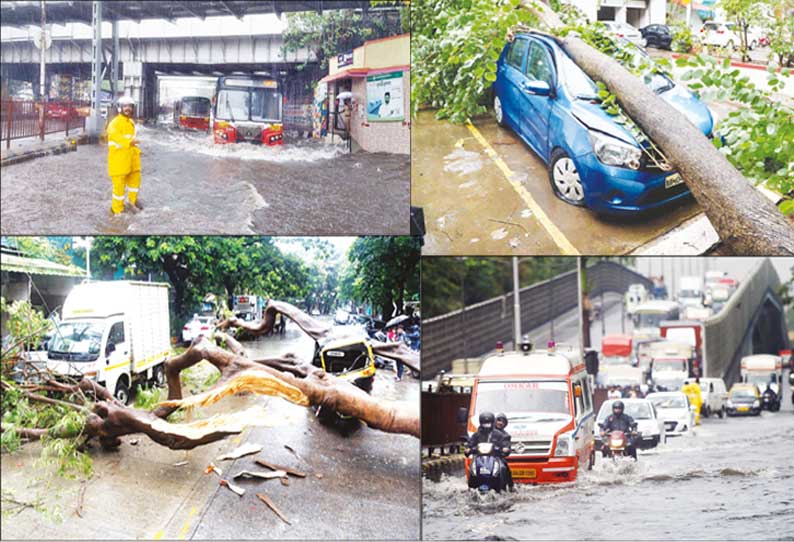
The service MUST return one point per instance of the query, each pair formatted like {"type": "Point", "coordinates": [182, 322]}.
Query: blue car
{"type": "Point", "coordinates": [593, 161]}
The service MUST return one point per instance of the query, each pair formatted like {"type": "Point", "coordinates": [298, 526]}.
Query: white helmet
{"type": "Point", "coordinates": [125, 100]}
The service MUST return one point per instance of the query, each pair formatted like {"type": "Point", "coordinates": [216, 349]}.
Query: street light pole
{"type": "Point", "coordinates": [42, 67]}
{"type": "Point", "coordinates": [516, 307]}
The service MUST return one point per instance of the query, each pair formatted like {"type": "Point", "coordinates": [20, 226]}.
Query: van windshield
{"type": "Point", "coordinates": [529, 400]}
{"type": "Point", "coordinates": [79, 341]}
{"type": "Point", "coordinates": [669, 365]}
{"type": "Point", "coordinates": [650, 319]}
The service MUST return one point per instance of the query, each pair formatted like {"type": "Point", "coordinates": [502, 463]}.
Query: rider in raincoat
{"type": "Point", "coordinates": [692, 391]}
{"type": "Point", "coordinates": [124, 157]}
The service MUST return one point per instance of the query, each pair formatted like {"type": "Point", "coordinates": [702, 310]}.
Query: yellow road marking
{"type": "Point", "coordinates": [186, 526]}
{"type": "Point", "coordinates": [565, 246]}
{"type": "Point", "coordinates": [158, 535]}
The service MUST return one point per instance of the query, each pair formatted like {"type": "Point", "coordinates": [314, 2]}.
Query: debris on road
{"type": "Point", "coordinates": [319, 476]}
{"type": "Point", "coordinates": [180, 464]}
{"type": "Point", "coordinates": [236, 489]}
{"type": "Point", "coordinates": [245, 449]}
{"type": "Point", "coordinates": [273, 466]}
{"type": "Point", "coordinates": [265, 499]}
{"type": "Point", "coordinates": [212, 468]}
{"type": "Point", "coordinates": [134, 442]}
{"type": "Point", "coordinates": [261, 474]}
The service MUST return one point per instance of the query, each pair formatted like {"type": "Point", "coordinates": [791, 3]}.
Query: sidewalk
{"type": "Point", "coordinates": [29, 148]}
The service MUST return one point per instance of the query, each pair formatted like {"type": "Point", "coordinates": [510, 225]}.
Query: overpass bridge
{"type": "Point", "coordinates": [752, 322]}
{"type": "Point", "coordinates": [137, 61]}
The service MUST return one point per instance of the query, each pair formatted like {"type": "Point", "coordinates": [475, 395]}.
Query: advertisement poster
{"type": "Point", "coordinates": [385, 97]}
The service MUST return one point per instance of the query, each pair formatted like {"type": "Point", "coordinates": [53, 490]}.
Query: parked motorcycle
{"type": "Point", "coordinates": [485, 471]}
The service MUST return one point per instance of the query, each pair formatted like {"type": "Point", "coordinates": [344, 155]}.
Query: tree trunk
{"type": "Point", "coordinates": [746, 221]}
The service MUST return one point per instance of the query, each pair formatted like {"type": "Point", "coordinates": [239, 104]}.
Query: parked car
{"type": "Point", "coordinates": [744, 399]}
{"type": "Point", "coordinates": [198, 325]}
{"type": "Point", "coordinates": [592, 160]}
{"type": "Point", "coordinates": [627, 32]}
{"type": "Point", "coordinates": [714, 395]}
{"type": "Point", "coordinates": [657, 35]}
{"type": "Point", "coordinates": [650, 427]}
{"type": "Point", "coordinates": [719, 35]}
{"type": "Point", "coordinates": [342, 317]}
{"type": "Point", "coordinates": [674, 409]}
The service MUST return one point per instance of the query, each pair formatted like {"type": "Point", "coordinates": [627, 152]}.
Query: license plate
{"type": "Point", "coordinates": [524, 473]}
{"type": "Point", "coordinates": [673, 180]}
{"type": "Point", "coordinates": [743, 409]}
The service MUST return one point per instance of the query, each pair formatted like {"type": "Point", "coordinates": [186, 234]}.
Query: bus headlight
{"type": "Point", "coordinates": [564, 446]}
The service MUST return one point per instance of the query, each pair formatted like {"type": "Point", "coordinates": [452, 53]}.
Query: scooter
{"type": "Point", "coordinates": [485, 472]}
{"type": "Point", "coordinates": [770, 402]}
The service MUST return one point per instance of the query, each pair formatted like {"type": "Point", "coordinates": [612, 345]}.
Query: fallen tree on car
{"type": "Point", "coordinates": [746, 221]}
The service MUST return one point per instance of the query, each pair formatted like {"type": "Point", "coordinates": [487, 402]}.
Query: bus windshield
{"type": "Point", "coordinates": [536, 401]}
{"type": "Point", "coordinates": [233, 104]}
{"type": "Point", "coordinates": [264, 104]}
{"type": "Point", "coordinates": [195, 107]}
{"type": "Point", "coordinates": [253, 104]}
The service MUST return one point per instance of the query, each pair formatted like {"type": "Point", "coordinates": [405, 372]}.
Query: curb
{"type": "Point", "coordinates": [14, 157]}
{"type": "Point", "coordinates": [434, 468]}
{"type": "Point", "coordinates": [734, 63]}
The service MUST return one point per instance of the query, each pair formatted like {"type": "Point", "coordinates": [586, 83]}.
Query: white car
{"type": "Point", "coordinates": [675, 411]}
{"type": "Point", "coordinates": [627, 32]}
{"type": "Point", "coordinates": [649, 426]}
{"type": "Point", "coordinates": [342, 317]}
{"type": "Point", "coordinates": [714, 395]}
{"type": "Point", "coordinates": [719, 35]}
{"type": "Point", "coordinates": [198, 325]}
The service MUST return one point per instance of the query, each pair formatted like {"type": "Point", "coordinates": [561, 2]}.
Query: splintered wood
{"type": "Point", "coordinates": [251, 381]}
{"type": "Point", "coordinates": [265, 499]}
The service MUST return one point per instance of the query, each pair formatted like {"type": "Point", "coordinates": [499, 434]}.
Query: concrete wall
{"type": "Point", "coordinates": [381, 136]}
{"type": "Point", "coordinates": [475, 331]}
{"type": "Point", "coordinates": [637, 13]}
{"type": "Point", "coordinates": [728, 335]}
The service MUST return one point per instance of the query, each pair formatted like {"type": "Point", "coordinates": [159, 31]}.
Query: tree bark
{"type": "Point", "coordinates": [745, 220]}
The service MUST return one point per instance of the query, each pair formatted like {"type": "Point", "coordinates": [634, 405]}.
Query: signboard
{"type": "Point", "coordinates": [385, 97]}
{"type": "Point", "coordinates": [344, 59]}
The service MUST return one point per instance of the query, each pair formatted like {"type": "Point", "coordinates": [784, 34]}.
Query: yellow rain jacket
{"type": "Point", "coordinates": [122, 158]}
{"type": "Point", "coordinates": [692, 390]}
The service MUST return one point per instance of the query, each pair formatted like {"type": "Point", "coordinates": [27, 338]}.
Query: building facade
{"type": "Point", "coordinates": [377, 76]}
{"type": "Point", "coordinates": [637, 13]}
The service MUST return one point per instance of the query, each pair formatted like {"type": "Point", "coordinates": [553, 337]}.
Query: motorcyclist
{"type": "Point", "coordinates": [486, 432]}
{"type": "Point", "coordinates": [770, 393]}
{"type": "Point", "coordinates": [619, 421]}
{"type": "Point", "coordinates": [505, 448]}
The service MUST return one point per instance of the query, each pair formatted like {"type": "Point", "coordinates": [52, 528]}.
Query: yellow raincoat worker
{"type": "Point", "coordinates": [124, 157]}
{"type": "Point", "coordinates": [692, 391]}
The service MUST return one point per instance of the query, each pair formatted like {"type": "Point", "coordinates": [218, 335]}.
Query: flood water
{"type": "Point", "coordinates": [732, 479]}
{"type": "Point", "coordinates": [190, 185]}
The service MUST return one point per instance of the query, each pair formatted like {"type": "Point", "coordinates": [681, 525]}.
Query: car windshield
{"type": "Point", "coordinates": [688, 293]}
{"type": "Point", "coordinates": [650, 319]}
{"type": "Point", "coordinates": [195, 107]}
{"type": "Point", "coordinates": [668, 401]}
{"type": "Point", "coordinates": [529, 400]}
{"type": "Point", "coordinates": [669, 365]}
{"type": "Point", "coordinates": [743, 395]}
{"type": "Point", "coordinates": [576, 81]}
{"type": "Point", "coordinates": [638, 410]}
{"type": "Point", "coordinates": [77, 338]}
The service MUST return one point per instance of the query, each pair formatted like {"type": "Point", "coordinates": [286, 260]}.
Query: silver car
{"type": "Point", "coordinates": [627, 32]}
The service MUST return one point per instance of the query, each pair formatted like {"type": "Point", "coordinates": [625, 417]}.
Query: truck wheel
{"type": "Point", "coordinates": [158, 376]}
{"type": "Point", "coordinates": [591, 461]}
{"type": "Point", "coordinates": [707, 413]}
{"type": "Point", "coordinates": [721, 412]}
{"type": "Point", "coordinates": [122, 391]}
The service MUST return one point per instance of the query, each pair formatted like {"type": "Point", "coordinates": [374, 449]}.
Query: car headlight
{"type": "Point", "coordinates": [614, 152]}
{"type": "Point", "coordinates": [564, 445]}
{"type": "Point", "coordinates": [756, 403]}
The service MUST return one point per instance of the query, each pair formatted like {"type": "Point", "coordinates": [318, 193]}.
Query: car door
{"type": "Point", "coordinates": [117, 354]}
{"type": "Point", "coordinates": [512, 73]}
{"type": "Point", "coordinates": [536, 110]}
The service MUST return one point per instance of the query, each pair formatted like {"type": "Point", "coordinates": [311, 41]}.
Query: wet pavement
{"type": "Point", "coordinates": [366, 485]}
{"type": "Point", "coordinates": [474, 205]}
{"type": "Point", "coordinates": [192, 186]}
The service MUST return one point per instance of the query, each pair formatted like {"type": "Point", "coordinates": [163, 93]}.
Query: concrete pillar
{"type": "Point", "coordinates": [620, 14]}
{"type": "Point", "coordinates": [588, 7]}
{"type": "Point", "coordinates": [657, 11]}
{"type": "Point", "coordinates": [114, 74]}
{"type": "Point", "coordinates": [94, 123]}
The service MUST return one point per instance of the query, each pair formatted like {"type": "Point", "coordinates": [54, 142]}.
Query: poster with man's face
{"type": "Point", "coordinates": [385, 97]}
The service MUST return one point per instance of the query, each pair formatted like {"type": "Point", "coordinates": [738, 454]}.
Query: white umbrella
{"type": "Point", "coordinates": [344, 95]}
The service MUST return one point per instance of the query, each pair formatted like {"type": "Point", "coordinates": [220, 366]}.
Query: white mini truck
{"type": "Point", "coordinates": [114, 332]}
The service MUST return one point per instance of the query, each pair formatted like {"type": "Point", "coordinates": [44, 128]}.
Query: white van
{"type": "Point", "coordinates": [547, 397]}
{"type": "Point", "coordinates": [760, 369]}
{"type": "Point", "coordinates": [635, 296]}
{"type": "Point", "coordinates": [714, 395]}
{"type": "Point", "coordinates": [114, 332]}
{"type": "Point", "coordinates": [690, 292]}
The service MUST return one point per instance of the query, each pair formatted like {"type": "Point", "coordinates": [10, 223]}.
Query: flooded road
{"type": "Point", "coordinates": [480, 200]}
{"type": "Point", "coordinates": [733, 479]}
{"type": "Point", "coordinates": [192, 186]}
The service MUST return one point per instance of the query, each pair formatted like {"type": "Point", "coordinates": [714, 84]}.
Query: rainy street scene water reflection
{"type": "Point", "coordinates": [221, 118]}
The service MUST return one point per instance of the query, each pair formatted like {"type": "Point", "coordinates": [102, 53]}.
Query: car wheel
{"type": "Point", "coordinates": [158, 378]}
{"type": "Point", "coordinates": [565, 179]}
{"type": "Point", "coordinates": [122, 394]}
{"type": "Point", "coordinates": [721, 413]}
{"type": "Point", "coordinates": [644, 43]}
{"type": "Point", "coordinates": [498, 112]}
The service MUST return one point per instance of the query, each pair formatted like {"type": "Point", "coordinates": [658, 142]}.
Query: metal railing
{"type": "Point", "coordinates": [22, 118]}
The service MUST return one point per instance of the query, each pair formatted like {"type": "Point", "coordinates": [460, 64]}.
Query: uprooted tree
{"type": "Point", "coordinates": [745, 220]}
{"type": "Point", "coordinates": [288, 377]}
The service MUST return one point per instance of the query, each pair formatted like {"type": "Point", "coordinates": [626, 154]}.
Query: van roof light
{"type": "Point", "coordinates": [526, 346]}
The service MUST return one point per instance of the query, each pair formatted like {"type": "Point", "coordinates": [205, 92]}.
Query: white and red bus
{"type": "Point", "coordinates": [192, 112]}
{"type": "Point", "coordinates": [247, 108]}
